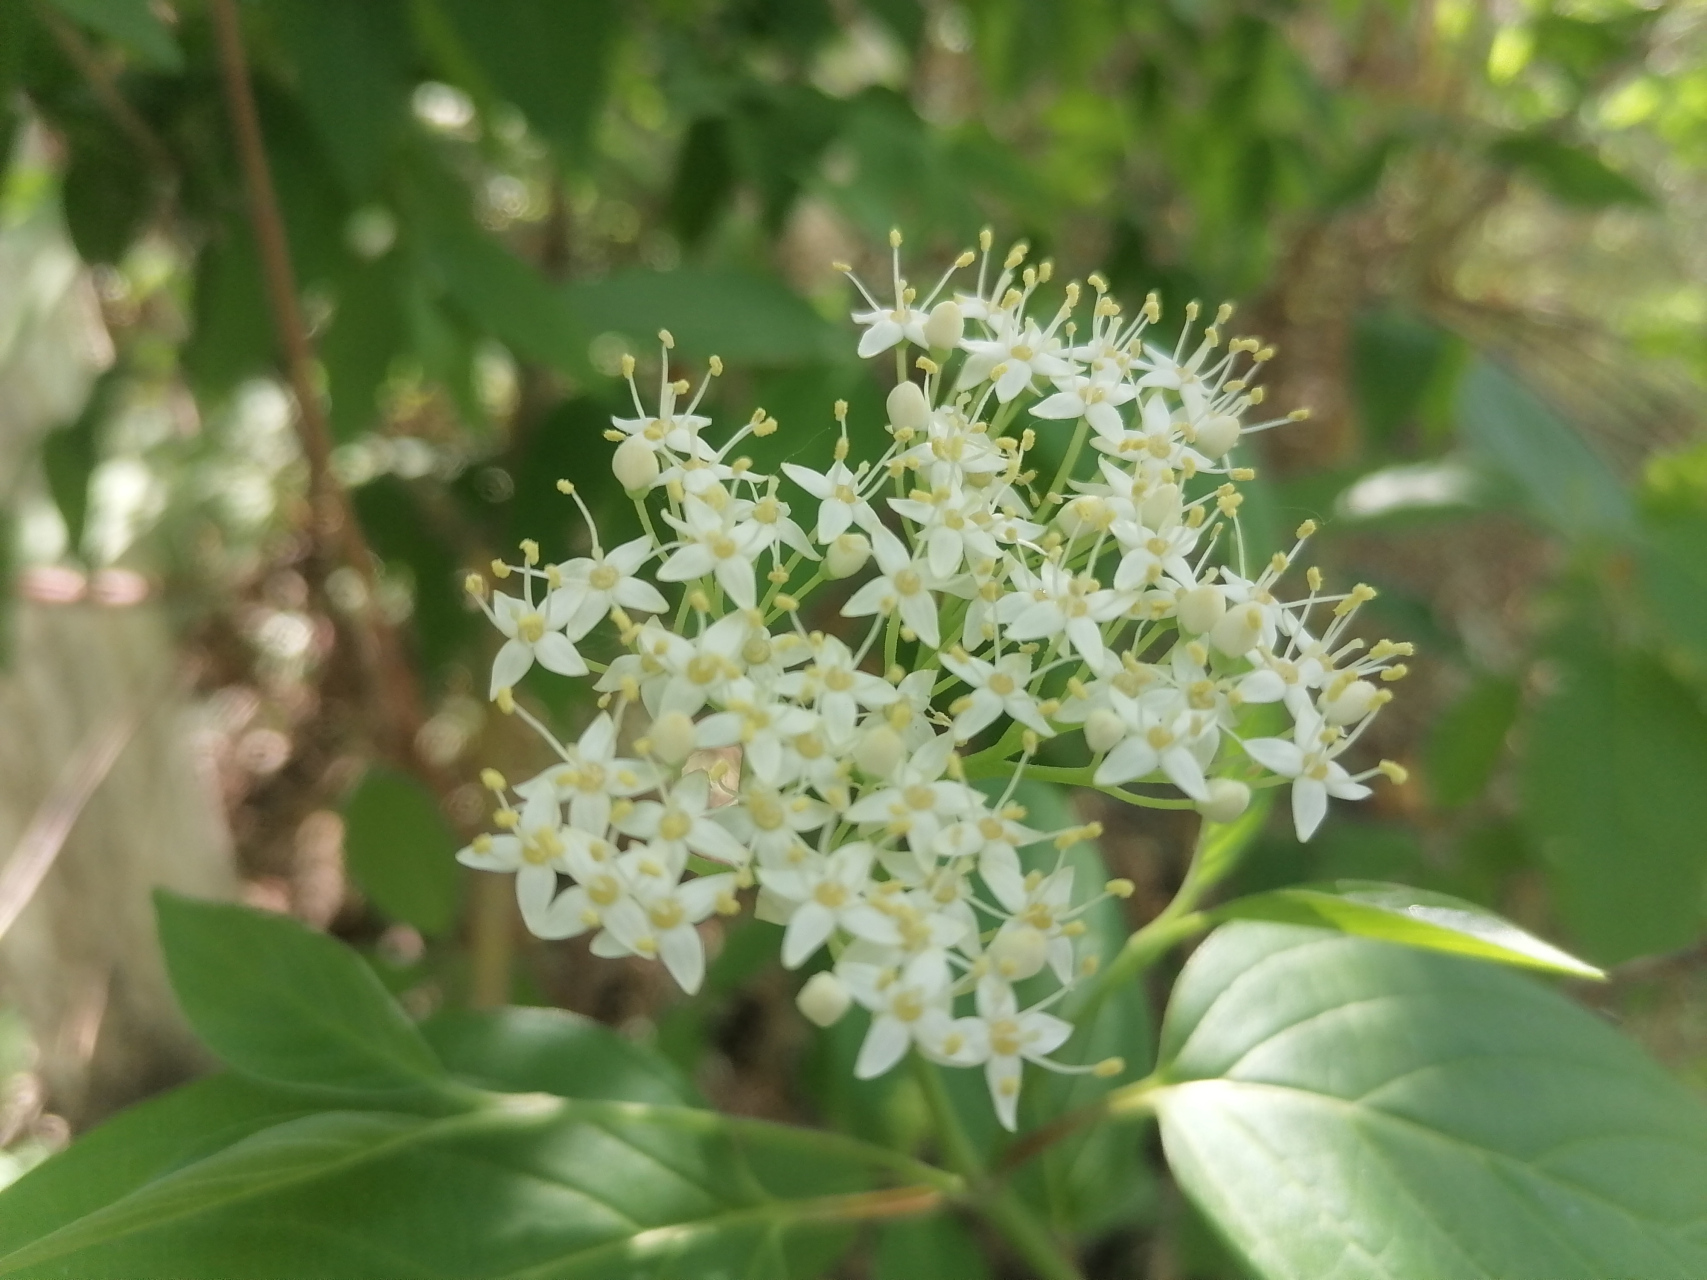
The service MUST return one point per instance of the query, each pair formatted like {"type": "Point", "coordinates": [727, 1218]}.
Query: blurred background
{"type": "Point", "coordinates": [235, 656]}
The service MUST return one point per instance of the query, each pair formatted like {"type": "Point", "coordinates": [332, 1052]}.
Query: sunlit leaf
{"type": "Point", "coordinates": [1415, 917]}
{"type": "Point", "coordinates": [1343, 1109]}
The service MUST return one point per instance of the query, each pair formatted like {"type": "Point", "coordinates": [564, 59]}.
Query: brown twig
{"type": "Point", "coordinates": [336, 533]}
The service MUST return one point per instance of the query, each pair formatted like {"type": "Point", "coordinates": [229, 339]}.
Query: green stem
{"type": "Point", "coordinates": [999, 1205]}
{"type": "Point", "coordinates": [1072, 458]}
{"type": "Point", "coordinates": [1083, 777]}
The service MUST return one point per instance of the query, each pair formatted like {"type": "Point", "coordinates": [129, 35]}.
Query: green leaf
{"type": "Point", "coordinates": [1468, 740]}
{"type": "Point", "coordinates": [401, 850]}
{"type": "Point", "coordinates": [138, 1145]}
{"type": "Point", "coordinates": [747, 318]}
{"type": "Point", "coordinates": [369, 330]}
{"type": "Point", "coordinates": [938, 1248]}
{"type": "Point", "coordinates": [535, 1186]}
{"type": "Point", "coordinates": [1345, 1109]}
{"type": "Point", "coordinates": [548, 57]}
{"type": "Point", "coordinates": [1222, 844]}
{"type": "Point", "coordinates": [1673, 561]}
{"type": "Point", "coordinates": [352, 65]}
{"type": "Point", "coordinates": [1571, 174]}
{"type": "Point", "coordinates": [1560, 477]}
{"type": "Point", "coordinates": [1612, 782]}
{"type": "Point", "coordinates": [285, 1004]}
{"type": "Point", "coordinates": [129, 23]}
{"type": "Point", "coordinates": [1414, 917]}
{"type": "Point", "coordinates": [492, 287]}
{"type": "Point", "coordinates": [1395, 357]}
{"type": "Point", "coordinates": [107, 191]}
{"type": "Point", "coordinates": [536, 1050]}
{"type": "Point", "coordinates": [232, 336]}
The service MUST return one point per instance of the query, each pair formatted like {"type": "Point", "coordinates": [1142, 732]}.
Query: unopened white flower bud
{"type": "Point", "coordinates": [1351, 703]}
{"type": "Point", "coordinates": [672, 736]}
{"type": "Point", "coordinates": [1018, 951]}
{"type": "Point", "coordinates": [1238, 631]}
{"type": "Point", "coordinates": [1215, 436]}
{"type": "Point", "coordinates": [1228, 798]}
{"type": "Point", "coordinates": [823, 999]}
{"type": "Point", "coordinates": [847, 555]}
{"type": "Point", "coordinates": [635, 465]}
{"type": "Point", "coordinates": [945, 326]}
{"type": "Point", "coordinates": [1161, 509]}
{"type": "Point", "coordinates": [1103, 730]}
{"type": "Point", "coordinates": [908, 407]}
{"type": "Point", "coordinates": [879, 750]}
{"type": "Point", "coordinates": [1201, 608]}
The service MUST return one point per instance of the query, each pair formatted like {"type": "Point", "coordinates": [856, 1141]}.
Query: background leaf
{"type": "Point", "coordinates": [1612, 769]}
{"type": "Point", "coordinates": [1344, 1108]}
{"type": "Point", "coordinates": [1561, 478]}
{"type": "Point", "coordinates": [1414, 917]}
{"type": "Point", "coordinates": [401, 850]}
{"type": "Point", "coordinates": [131, 24]}
{"type": "Point", "coordinates": [283, 1003]}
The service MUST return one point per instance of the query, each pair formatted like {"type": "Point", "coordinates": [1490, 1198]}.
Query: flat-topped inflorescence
{"type": "Point", "coordinates": [989, 610]}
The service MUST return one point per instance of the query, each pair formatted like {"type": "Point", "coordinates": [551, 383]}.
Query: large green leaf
{"type": "Point", "coordinates": [1612, 778]}
{"type": "Point", "coordinates": [401, 850]}
{"type": "Point", "coordinates": [1345, 1110]}
{"type": "Point", "coordinates": [283, 1003]}
{"type": "Point", "coordinates": [138, 1145]}
{"type": "Point", "coordinates": [1558, 475]}
{"type": "Point", "coordinates": [537, 1050]}
{"type": "Point", "coordinates": [1415, 917]}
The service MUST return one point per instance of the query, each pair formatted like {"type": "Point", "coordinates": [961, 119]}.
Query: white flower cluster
{"type": "Point", "coordinates": [837, 777]}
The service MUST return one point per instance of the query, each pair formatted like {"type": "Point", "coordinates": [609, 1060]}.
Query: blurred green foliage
{"type": "Point", "coordinates": [488, 202]}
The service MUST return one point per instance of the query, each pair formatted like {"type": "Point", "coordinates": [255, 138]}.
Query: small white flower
{"type": "Point", "coordinates": [906, 1008]}
{"type": "Point", "coordinates": [713, 543]}
{"type": "Point", "coordinates": [998, 688]}
{"type": "Point", "coordinates": [1309, 761]}
{"type": "Point", "coordinates": [593, 587]}
{"type": "Point", "coordinates": [826, 889]}
{"type": "Point", "coordinates": [1014, 1039]}
{"type": "Point", "coordinates": [533, 852]}
{"type": "Point", "coordinates": [532, 634]}
{"type": "Point", "coordinates": [903, 586]}
{"type": "Point", "coordinates": [681, 824]}
{"type": "Point", "coordinates": [840, 502]}
{"type": "Point", "coordinates": [1096, 399]}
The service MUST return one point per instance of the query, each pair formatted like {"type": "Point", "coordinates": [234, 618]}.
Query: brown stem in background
{"type": "Point", "coordinates": [335, 532]}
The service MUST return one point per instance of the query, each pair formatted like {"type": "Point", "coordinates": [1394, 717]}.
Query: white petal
{"type": "Point", "coordinates": [808, 929]}
{"type": "Point", "coordinates": [684, 956]}
{"type": "Point", "coordinates": [1003, 1076]}
{"type": "Point", "coordinates": [1063, 404]}
{"type": "Point", "coordinates": [1277, 754]}
{"type": "Point", "coordinates": [691, 561]}
{"type": "Point", "coordinates": [1132, 758]}
{"type": "Point", "coordinates": [555, 653]}
{"type": "Point", "coordinates": [1309, 806]}
{"type": "Point", "coordinates": [510, 665]}
{"type": "Point", "coordinates": [884, 1046]}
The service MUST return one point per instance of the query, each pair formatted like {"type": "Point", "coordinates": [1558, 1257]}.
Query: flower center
{"type": "Point", "coordinates": [674, 825]}
{"type": "Point", "coordinates": [531, 628]}
{"type": "Point", "coordinates": [603, 577]}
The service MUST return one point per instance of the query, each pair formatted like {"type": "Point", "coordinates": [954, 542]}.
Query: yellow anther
{"type": "Point", "coordinates": [492, 780]}
{"type": "Point", "coordinates": [1120, 888]}
{"type": "Point", "coordinates": [565, 487]}
{"type": "Point", "coordinates": [475, 585]}
{"type": "Point", "coordinates": [506, 701]}
{"type": "Point", "coordinates": [1394, 772]}
{"type": "Point", "coordinates": [500, 569]}
{"type": "Point", "coordinates": [1109, 1067]}
{"type": "Point", "coordinates": [716, 363]}
{"type": "Point", "coordinates": [668, 339]}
